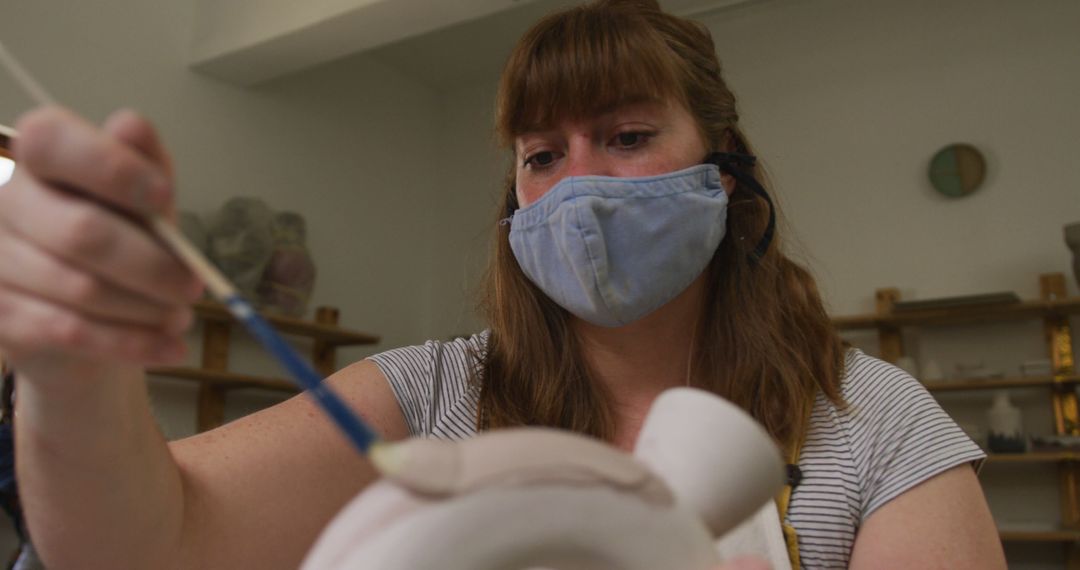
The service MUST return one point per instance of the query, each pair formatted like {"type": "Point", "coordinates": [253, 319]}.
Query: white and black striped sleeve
{"type": "Point", "coordinates": [432, 385]}
{"type": "Point", "coordinates": [899, 434]}
{"type": "Point", "coordinates": [410, 371]}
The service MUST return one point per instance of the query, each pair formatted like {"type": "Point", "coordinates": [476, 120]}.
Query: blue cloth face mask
{"type": "Point", "coordinates": [612, 250]}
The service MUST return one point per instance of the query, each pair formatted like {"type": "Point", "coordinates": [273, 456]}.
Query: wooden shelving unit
{"type": "Point", "coordinates": [325, 331]}
{"type": "Point", "coordinates": [1003, 383]}
{"type": "Point", "coordinates": [214, 378]}
{"type": "Point", "coordinates": [1050, 535]}
{"type": "Point", "coordinates": [1034, 457]}
{"type": "Point", "coordinates": [225, 380]}
{"type": "Point", "coordinates": [1024, 310]}
{"type": "Point", "coordinates": [1053, 308]}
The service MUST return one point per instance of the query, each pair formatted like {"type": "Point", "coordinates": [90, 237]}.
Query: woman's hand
{"type": "Point", "coordinates": [82, 282]}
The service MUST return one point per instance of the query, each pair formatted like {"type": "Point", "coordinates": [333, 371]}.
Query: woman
{"type": "Point", "coordinates": [678, 281]}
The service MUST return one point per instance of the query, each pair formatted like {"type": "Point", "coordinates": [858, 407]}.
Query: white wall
{"type": "Point", "coordinates": [471, 180]}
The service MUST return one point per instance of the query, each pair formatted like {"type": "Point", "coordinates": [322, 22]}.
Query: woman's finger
{"type": "Point", "coordinates": [60, 148]}
{"type": "Point", "coordinates": [33, 329]}
{"type": "Point", "coordinates": [130, 128]}
{"type": "Point", "coordinates": [96, 240]}
{"type": "Point", "coordinates": [34, 271]}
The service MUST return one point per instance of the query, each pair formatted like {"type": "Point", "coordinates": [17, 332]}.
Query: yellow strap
{"type": "Point", "coordinates": [784, 500]}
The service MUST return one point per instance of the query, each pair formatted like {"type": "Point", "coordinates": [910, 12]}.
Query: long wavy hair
{"type": "Point", "coordinates": [764, 340]}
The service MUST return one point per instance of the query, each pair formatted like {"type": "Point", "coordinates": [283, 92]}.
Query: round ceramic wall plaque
{"type": "Point", "coordinates": [957, 170]}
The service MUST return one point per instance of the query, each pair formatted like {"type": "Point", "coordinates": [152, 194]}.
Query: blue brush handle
{"type": "Point", "coordinates": [355, 429]}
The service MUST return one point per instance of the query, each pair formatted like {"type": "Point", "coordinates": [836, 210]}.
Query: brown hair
{"type": "Point", "coordinates": [764, 340]}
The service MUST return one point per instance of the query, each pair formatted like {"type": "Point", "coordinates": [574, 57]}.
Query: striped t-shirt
{"type": "Point", "coordinates": [892, 436]}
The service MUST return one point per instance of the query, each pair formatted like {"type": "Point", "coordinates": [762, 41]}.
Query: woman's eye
{"type": "Point", "coordinates": [631, 139]}
{"type": "Point", "coordinates": [540, 159]}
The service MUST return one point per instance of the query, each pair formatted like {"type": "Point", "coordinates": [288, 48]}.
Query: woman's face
{"type": "Point", "coordinates": [640, 139]}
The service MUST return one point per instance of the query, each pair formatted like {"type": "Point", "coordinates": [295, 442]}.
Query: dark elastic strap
{"type": "Point", "coordinates": [794, 475]}
{"type": "Point", "coordinates": [511, 205]}
{"type": "Point", "coordinates": [732, 163]}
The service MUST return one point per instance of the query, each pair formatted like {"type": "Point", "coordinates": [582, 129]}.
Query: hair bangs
{"type": "Point", "coordinates": [581, 63]}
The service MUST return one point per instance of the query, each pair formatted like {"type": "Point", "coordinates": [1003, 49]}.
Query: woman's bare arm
{"type": "Point", "coordinates": [943, 522]}
{"type": "Point", "coordinates": [259, 490]}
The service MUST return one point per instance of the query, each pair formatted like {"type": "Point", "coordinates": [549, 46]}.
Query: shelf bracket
{"type": "Point", "coordinates": [215, 356]}
{"type": "Point", "coordinates": [1066, 410]}
{"type": "Point", "coordinates": [889, 338]}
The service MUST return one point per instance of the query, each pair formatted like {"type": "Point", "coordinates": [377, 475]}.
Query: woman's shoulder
{"type": "Point", "coordinates": [870, 383]}
{"type": "Point", "coordinates": [882, 402]}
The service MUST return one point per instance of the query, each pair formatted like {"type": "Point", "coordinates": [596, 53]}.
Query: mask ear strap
{"type": "Point", "coordinates": [511, 206]}
{"type": "Point", "coordinates": [732, 163]}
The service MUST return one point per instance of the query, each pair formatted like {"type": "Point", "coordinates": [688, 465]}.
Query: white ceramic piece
{"type": "Point", "coordinates": [1004, 417]}
{"type": "Point", "coordinates": [716, 458]}
{"type": "Point", "coordinates": [528, 498]}
{"type": "Point", "coordinates": [1006, 433]}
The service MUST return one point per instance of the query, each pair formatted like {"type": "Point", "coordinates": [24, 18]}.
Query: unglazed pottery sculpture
{"type": "Point", "coordinates": [542, 498]}
{"type": "Point", "coordinates": [289, 277]}
{"type": "Point", "coordinates": [240, 241]}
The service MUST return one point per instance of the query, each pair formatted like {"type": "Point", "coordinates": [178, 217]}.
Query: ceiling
{"type": "Point", "coordinates": [442, 43]}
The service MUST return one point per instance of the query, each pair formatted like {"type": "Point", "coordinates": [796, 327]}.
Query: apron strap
{"type": "Point", "coordinates": [794, 476]}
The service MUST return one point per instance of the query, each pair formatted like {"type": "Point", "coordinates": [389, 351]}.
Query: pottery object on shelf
{"type": "Point", "coordinates": [240, 242]}
{"type": "Point", "coordinates": [1005, 433]}
{"type": "Point", "coordinates": [289, 277]}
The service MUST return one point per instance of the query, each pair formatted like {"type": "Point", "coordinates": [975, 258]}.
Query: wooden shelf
{"type": "Point", "coordinates": [962, 315]}
{"type": "Point", "coordinates": [1049, 535]}
{"type": "Point", "coordinates": [999, 383]}
{"type": "Point", "coordinates": [224, 380]}
{"type": "Point", "coordinates": [331, 335]}
{"type": "Point", "coordinates": [215, 380]}
{"type": "Point", "coordinates": [1034, 457]}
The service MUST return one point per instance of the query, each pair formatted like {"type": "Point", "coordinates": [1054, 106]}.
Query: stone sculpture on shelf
{"type": "Point", "coordinates": [240, 242]}
{"type": "Point", "coordinates": [289, 277]}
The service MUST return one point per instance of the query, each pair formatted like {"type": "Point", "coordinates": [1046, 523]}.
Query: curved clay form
{"type": "Point", "coordinates": [529, 498]}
